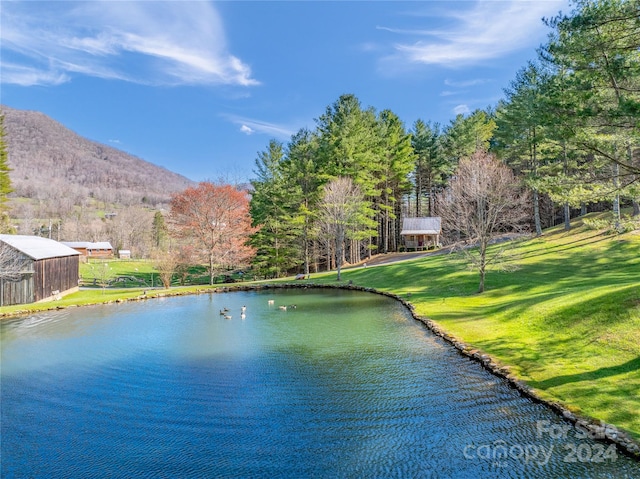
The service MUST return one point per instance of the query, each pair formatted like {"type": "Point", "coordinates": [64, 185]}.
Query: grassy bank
{"type": "Point", "coordinates": [567, 320]}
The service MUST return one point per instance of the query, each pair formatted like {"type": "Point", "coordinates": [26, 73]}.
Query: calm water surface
{"type": "Point", "coordinates": [344, 385]}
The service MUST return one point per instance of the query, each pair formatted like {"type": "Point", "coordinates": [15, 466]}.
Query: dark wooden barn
{"type": "Point", "coordinates": [36, 269]}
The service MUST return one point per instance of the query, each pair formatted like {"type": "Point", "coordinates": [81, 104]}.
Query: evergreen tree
{"type": "Point", "coordinates": [521, 130]}
{"type": "Point", "coordinates": [5, 183]}
{"type": "Point", "coordinates": [431, 166]}
{"type": "Point", "coordinates": [397, 162]}
{"type": "Point", "coordinates": [349, 146]}
{"type": "Point", "coordinates": [271, 210]}
{"type": "Point", "coordinates": [305, 177]}
{"type": "Point", "coordinates": [159, 231]}
{"type": "Point", "coordinates": [467, 135]}
{"type": "Point", "coordinates": [598, 47]}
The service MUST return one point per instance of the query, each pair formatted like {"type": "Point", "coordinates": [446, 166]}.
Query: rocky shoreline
{"type": "Point", "coordinates": [593, 428]}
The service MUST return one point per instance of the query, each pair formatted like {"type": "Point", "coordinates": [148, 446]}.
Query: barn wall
{"type": "Point", "coordinates": [55, 274]}
{"type": "Point", "coordinates": [17, 292]}
{"type": "Point", "coordinates": [100, 253]}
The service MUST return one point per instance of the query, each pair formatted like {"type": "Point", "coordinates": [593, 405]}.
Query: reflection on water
{"type": "Point", "coordinates": [343, 385]}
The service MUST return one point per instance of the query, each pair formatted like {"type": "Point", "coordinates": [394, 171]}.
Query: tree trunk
{"type": "Point", "coordinates": [567, 210]}
{"type": "Point", "coordinates": [536, 212]}
{"type": "Point", "coordinates": [211, 259]}
{"type": "Point", "coordinates": [567, 217]}
{"type": "Point", "coordinates": [339, 253]}
{"type": "Point", "coordinates": [483, 265]}
{"type": "Point", "coordinates": [306, 256]}
{"type": "Point", "coordinates": [616, 199]}
{"type": "Point", "coordinates": [430, 199]}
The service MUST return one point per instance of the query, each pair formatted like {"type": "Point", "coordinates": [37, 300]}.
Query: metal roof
{"type": "Point", "coordinates": [421, 226]}
{"type": "Point", "coordinates": [88, 244]}
{"type": "Point", "coordinates": [38, 248]}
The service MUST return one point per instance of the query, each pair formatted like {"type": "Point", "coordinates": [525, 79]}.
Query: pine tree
{"type": "Point", "coordinates": [5, 183]}
{"type": "Point", "coordinates": [159, 231]}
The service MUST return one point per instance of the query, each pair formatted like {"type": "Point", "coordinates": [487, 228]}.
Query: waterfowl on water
{"type": "Point", "coordinates": [242, 316]}
{"type": "Point", "coordinates": [283, 308]}
{"type": "Point", "coordinates": [243, 309]}
{"type": "Point", "coordinates": [227, 316]}
{"type": "Point", "coordinates": [270, 302]}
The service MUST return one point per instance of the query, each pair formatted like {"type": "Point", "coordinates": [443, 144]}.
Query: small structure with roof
{"type": "Point", "coordinates": [421, 233]}
{"type": "Point", "coordinates": [36, 269]}
{"type": "Point", "coordinates": [101, 249]}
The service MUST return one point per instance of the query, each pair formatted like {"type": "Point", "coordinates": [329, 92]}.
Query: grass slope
{"type": "Point", "coordinates": [567, 320]}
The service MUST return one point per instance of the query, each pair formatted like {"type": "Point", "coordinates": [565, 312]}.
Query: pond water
{"type": "Point", "coordinates": [346, 384]}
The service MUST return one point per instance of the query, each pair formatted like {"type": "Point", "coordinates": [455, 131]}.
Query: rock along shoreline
{"type": "Point", "coordinates": [596, 429]}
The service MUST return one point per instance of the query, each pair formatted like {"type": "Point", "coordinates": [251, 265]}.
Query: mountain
{"type": "Point", "coordinates": [51, 162]}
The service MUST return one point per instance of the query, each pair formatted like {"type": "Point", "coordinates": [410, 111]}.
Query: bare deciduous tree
{"type": "Point", "coordinates": [339, 211]}
{"type": "Point", "coordinates": [483, 199]}
{"type": "Point", "coordinates": [166, 262]}
{"type": "Point", "coordinates": [130, 229]}
{"type": "Point", "coordinates": [12, 263]}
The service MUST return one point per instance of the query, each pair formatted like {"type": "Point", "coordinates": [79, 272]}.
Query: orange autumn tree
{"type": "Point", "coordinates": [216, 219]}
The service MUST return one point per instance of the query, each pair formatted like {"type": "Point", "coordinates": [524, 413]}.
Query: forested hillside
{"type": "Point", "coordinates": [66, 186]}
{"type": "Point", "coordinates": [51, 162]}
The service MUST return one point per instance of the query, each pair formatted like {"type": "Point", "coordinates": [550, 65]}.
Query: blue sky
{"type": "Point", "coordinates": [201, 87]}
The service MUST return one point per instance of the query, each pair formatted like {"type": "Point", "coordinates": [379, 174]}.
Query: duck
{"type": "Point", "coordinates": [242, 316]}
{"type": "Point", "coordinates": [227, 316]}
{"type": "Point", "coordinates": [270, 302]}
{"type": "Point", "coordinates": [283, 308]}
{"type": "Point", "coordinates": [243, 309]}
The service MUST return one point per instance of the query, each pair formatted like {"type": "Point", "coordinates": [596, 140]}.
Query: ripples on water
{"type": "Point", "coordinates": [345, 385]}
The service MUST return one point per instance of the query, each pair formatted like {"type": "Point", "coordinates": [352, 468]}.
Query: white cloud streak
{"type": "Point", "coordinates": [488, 30]}
{"type": "Point", "coordinates": [146, 42]}
{"type": "Point", "coordinates": [250, 126]}
{"type": "Point", "coordinates": [461, 110]}
{"type": "Point", "coordinates": [466, 83]}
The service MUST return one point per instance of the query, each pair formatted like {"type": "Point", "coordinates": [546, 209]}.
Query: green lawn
{"type": "Point", "coordinates": [109, 269]}
{"type": "Point", "coordinates": [567, 320]}
{"type": "Point", "coordinates": [141, 274]}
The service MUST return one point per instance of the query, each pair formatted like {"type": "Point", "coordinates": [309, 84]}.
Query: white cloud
{"type": "Point", "coordinates": [488, 30]}
{"type": "Point", "coordinates": [25, 75]}
{"type": "Point", "coordinates": [466, 83]}
{"type": "Point", "coordinates": [461, 110]}
{"type": "Point", "coordinates": [159, 43]}
{"type": "Point", "coordinates": [250, 126]}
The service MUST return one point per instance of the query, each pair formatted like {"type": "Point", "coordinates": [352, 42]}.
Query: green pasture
{"type": "Point", "coordinates": [118, 273]}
